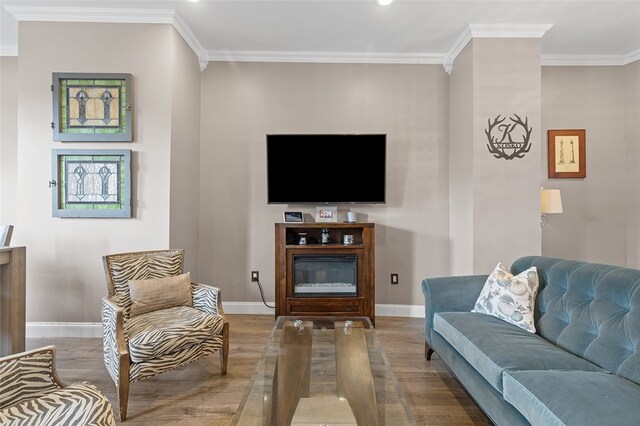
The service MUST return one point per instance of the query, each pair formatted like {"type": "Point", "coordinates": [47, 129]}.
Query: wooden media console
{"type": "Point", "coordinates": [332, 279]}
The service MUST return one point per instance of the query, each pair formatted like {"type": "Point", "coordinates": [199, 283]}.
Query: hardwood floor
{"type": "Point", "coordinates": [196, 394]}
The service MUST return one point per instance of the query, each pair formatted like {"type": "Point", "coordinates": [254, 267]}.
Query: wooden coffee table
{"type": "Point", "coordinates": [323, 371]}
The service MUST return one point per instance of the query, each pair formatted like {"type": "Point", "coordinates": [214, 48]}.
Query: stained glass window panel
{"type": "Point", "coordinates": [91, 107]}
{"type": "Point", "coordinates": [92, 183]}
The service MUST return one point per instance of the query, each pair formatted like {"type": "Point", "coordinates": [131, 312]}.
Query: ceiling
{"type": "Point", "coordinates": [409, 31]}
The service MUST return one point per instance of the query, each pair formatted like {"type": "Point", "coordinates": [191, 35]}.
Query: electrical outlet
{"type": "Point", "coordinates": [255, 276]}
{"type": "Point", "coordinates": [394, 279]}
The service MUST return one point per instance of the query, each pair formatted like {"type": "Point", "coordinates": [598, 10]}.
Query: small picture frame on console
{"type": "Point", "coordinates": [292, 217]}
{"type": "Point", "coordinates": [327, 214]}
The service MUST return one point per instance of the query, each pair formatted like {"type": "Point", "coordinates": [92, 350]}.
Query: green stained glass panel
{"type": "Point", "coordinates": [92, 107]}
{"type": "Point", "coordinates": [92, 183]}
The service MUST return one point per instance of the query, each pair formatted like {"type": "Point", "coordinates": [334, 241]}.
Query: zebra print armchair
{"type": "Point", "coordinates": [141, 346]}
{"type": "Point", "coordinates": [32, 394]}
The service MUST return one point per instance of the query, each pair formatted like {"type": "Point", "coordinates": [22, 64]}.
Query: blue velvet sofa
{"type": "Point", "coordinates": [581, 367]}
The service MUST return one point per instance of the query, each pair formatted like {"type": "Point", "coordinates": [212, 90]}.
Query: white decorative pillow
{"type": "Point", "coordinates": [160, 293]}
{"type": "Point", "coordinates": [510, 298]}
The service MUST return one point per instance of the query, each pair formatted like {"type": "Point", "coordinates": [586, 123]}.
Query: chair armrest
{"type": "Point", "coordinates": [114, 338]}
{"type": "Point", "coordinates": [449, 294]}
{"type": "Point", "coordinates": [207, 298]}
{"type": "Point", "coordinates": [30, 374]}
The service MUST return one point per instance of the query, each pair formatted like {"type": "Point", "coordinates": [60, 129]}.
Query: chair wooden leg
{"type": "Point", "coordinates": [427, 351]}
{"type": "Point", "coordinates": [123, 399]}
{"type": "Point", "coordinates": [224, 352]}
{"type": "Point", "coordinates": [123, 386]}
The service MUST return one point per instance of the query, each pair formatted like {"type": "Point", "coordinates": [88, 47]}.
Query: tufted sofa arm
{"type": "Point", "coordinates": [449, 294]}
{"type": "Point", "coordinates": [27, 375]}
{"type": "Point", "coordinates": [114, 347]}
{"type": "Point", "coordinates": [207, 298]}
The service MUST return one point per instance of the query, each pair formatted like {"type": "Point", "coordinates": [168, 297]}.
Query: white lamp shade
{"type": "Point", "coordinates": [550, 201]}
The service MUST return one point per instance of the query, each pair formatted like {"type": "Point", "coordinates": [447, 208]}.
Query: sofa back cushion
{"type": "Point", "coordinates": [591, 310]}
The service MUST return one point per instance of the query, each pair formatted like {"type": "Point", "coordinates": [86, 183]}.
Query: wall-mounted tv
{"type": "Point", "coordinates": [326, 169]}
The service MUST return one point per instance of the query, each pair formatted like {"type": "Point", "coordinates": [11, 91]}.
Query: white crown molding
{"type": "Point", "coordinates": [509, 30]}
{"type": "Point", "coordinates": [324, 57]}
{"type": "Point", "coordinates": [456, 49]}
{"type": "Point", "coordinates": [170, 16]}
{"type": "Point", "coordinates": [631, 57]}
{"type": "Point", "coordinates": [583, 60]}
{"type": "Point", "coordinates": [111, 15]}
{"type": "Point", "coordinates": [8, 50]}
{"type": "Point", "coordinates": [191, 39]}
{"type": "Point", "coordinates": [91, 14]}
{"type": "Point", "coordinates": [492, 31]}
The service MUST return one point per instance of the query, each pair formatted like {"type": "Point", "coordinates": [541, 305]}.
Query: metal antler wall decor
{"type": "Point", "coordinates": [504, 141]}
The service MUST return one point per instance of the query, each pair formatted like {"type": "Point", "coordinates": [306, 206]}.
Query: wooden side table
{"type": "Point", "coordinates": [12, 300]}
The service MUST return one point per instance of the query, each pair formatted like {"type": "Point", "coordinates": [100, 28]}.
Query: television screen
{"type": "Point", "coordinates": [326, 169]}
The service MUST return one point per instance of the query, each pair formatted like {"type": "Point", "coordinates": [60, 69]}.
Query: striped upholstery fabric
{"type": "Point", "coordinates": [153, 367]}
{"type": "Point", "coordinates": [76, 404]}
{"type": "Point", "coordinates": [122, 271]}
{"type": "Point", "coordinates": [166, 264]}
{"type": "Point", "coordinates": [26, 378]}
{"type": "Point", "coordinates": [168, 330]}
{"type": "Point", "coordinates": [109, 343]}
{"type": "Point", "coordinates": [158, 341]}
{"type": "Point", "coordinates": [31, 394]}
{"type": "Point", "coordinates": [141, 267]}
{"type": "Point", "coordinates": [205, 298]}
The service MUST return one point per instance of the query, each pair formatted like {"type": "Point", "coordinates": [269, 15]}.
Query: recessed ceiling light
{"type": "Point", "coordinates": [384, 2]}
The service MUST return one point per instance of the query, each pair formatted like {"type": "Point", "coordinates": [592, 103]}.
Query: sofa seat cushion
{"type": "Point", "coordinates": [77, 404]}
{"type": "Point", "coordinates": [168, 330]}
{"type": "Point", "coordinates": [573, 398]}
{"type": "Point", "coordinates": [492, 346]}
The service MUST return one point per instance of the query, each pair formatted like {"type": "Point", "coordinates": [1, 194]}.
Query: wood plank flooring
{"type": "Point", "coordinates": [196, 394]}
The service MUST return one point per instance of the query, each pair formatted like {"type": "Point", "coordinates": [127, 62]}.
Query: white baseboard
{"type": "Point", "coordinates": [63, 329]}
{"type": "Point", "coordinates": [255, 308]}
{"type": "Point", "coordinates": [411, 311]}
{"type": "Point", "coordinates": [382, 310]}
{"type": "Point", "coordinates": [94, 329]}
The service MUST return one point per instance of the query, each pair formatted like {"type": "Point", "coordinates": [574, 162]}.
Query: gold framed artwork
{"type": "Point", "coordinates": [567, 154]}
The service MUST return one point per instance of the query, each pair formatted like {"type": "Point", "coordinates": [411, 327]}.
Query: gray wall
{"type": "Point", "coordinates": [593, 225]}
{"type": "Point", "coordinates": [8, 138]}
{"type": "Point", "coordinates": [184, 191]}
{"type": "Point", "coordinates": [631, 75]}
{"type": "Point", "coordinates": [461, 163]}
{"type": "Point", "coordinates": [495, 201]}
{"type": "Point", "coordinates": [64, 269]}
{"type": "Point", "coordinates": [244, 101]}
{"type": "Point", "coordinates": [212, 168]}
{"type": "Point", "coordinates": [506, 192]}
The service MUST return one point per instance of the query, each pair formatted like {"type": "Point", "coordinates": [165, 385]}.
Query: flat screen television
{"type": "Point", "coordinates": [326, 169]}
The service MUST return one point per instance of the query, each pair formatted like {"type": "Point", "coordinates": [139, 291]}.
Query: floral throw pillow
{"type": "Point", "coordinates": [510, 298]}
